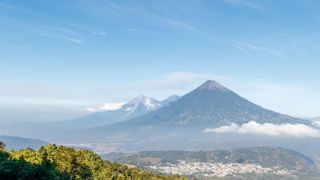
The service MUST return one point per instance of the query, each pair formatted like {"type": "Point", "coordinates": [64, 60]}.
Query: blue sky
{"type": "Point", "coordinates": [58, 58]}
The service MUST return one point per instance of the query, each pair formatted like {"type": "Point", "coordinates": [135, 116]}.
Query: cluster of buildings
{"type": "Point", "coordinates": [215, 169]}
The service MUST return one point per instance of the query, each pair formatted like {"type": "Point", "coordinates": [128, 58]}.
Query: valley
{"type": "Point", "coordinates": [245, 162]}
{"type": "Point", "coordinates": [214, 133]}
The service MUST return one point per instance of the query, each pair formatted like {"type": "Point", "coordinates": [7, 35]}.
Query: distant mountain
{"type": "Point", "coordinates": [273, 159]}
{"type": "Point", "coordinates": [17, 143]}
{"type": "Point", "coordinates": [170, 100]}
{"type": "Point", "coordinates": [134, 108]}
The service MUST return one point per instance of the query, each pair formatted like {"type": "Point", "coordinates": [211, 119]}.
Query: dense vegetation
{"type": "Point", "coordinates": [60, 162]}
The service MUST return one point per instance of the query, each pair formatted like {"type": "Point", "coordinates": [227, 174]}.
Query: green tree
{"type": "Point", "coordinates": [2, 146]}
{"type": "Point", "coordinates": [65, 163]}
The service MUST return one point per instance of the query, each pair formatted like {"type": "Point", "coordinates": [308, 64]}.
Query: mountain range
{"type": "Point", "coordinates": [180, 125]}
{"type": "Point", "coordinates": [177, 123]}
{"type": "Point", "coordinates": [17, 143]}
{"type": "Point", "coordinates": [211, 105]}
{"type": "Point", "coordinates": [136, 107]}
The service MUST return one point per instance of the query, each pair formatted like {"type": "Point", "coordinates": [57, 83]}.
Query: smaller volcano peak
{"type": "Point", "coordinates": [142, 99]}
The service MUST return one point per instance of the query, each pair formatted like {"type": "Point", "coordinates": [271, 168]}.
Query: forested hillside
{"type": "Point", "coordinates": [259, 162]}
{"type": "Point", "coordinates": [60, 162]}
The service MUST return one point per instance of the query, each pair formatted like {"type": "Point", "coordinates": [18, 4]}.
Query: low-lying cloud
{"type": "Point", "coordinates": [252, 127]}
{"type": "Point", "coordinates": [107, 107]}
{"type": "Point", "coordinates": [316, 123]}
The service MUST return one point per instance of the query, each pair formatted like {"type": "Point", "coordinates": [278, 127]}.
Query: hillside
{"type": "Point", "coordinates": [253, 160]}
{"type": "Point", "coordinates": [59, 162]}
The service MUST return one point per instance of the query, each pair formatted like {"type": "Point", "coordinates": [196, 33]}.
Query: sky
{"type": "Point", "coordinates": [59, 58]}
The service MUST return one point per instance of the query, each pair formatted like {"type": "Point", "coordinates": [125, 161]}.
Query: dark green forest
{"type": "Point", "coordinates": [64, 163]}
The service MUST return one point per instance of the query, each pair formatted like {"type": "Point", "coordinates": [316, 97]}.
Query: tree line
{"type": "Point", "coordinates": [66, 163]}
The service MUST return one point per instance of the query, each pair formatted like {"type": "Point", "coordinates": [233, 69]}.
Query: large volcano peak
{"type": "Point", "coordinates": [213, 85]}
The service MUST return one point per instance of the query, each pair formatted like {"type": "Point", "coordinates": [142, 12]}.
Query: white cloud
{"type": "Point", "coordinates": [252, 127]}
{"type": "Point", "coordinates": [107, 107]}
{"type": "Point", "coordinates": [316, 123]}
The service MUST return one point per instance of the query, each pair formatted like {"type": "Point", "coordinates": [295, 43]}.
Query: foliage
{"type": "Point", "coordinates": [60, 162]}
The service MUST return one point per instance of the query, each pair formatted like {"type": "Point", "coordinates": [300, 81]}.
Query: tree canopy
{"type": "Point", "coordinates": [66, 163]}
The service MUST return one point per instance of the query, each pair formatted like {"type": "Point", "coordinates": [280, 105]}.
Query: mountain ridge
{"type": "Point", "coordinates": [278, 161]}
{"type": "Point", "coordinates": [17, 143]}
{"type": "Point", "coordinates": [133, 108]}
{"type": "Point", "coordinates": [214, 105]}
{"type": "Point", "coordinates": [245, 155]}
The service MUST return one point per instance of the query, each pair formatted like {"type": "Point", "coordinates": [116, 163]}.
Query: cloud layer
{"type": "Point", "coordinates": [107, 107]}
{"type": "Point", "coordinates": [252, 127]}
{"type": "Point", "coordinates": [316, 123]}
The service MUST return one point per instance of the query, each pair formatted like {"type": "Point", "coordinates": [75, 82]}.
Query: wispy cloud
{"type": "Point", "coordinates": [52, 28]}
{"type": "Point", "coordinates": [63, 37]}
{"type": "Point", "coordinates": [63, 30]}
{"type": "Point", "coordinates": [99, 33]}
{"type": "Point", "coordinates": [245, 47]}
{"type": "Point", "coordinates": [116, 10]}
{"type": "Point", "coordinates": [15, 8]}
{"type": "Point", "coordinates": [60, 33]}
{"type": "Point", "coordinates": [252, 127]}
{"type": "Point", "coordinates": [245, 3]}
{"type": "Point", "coordinates": [180, 24]}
